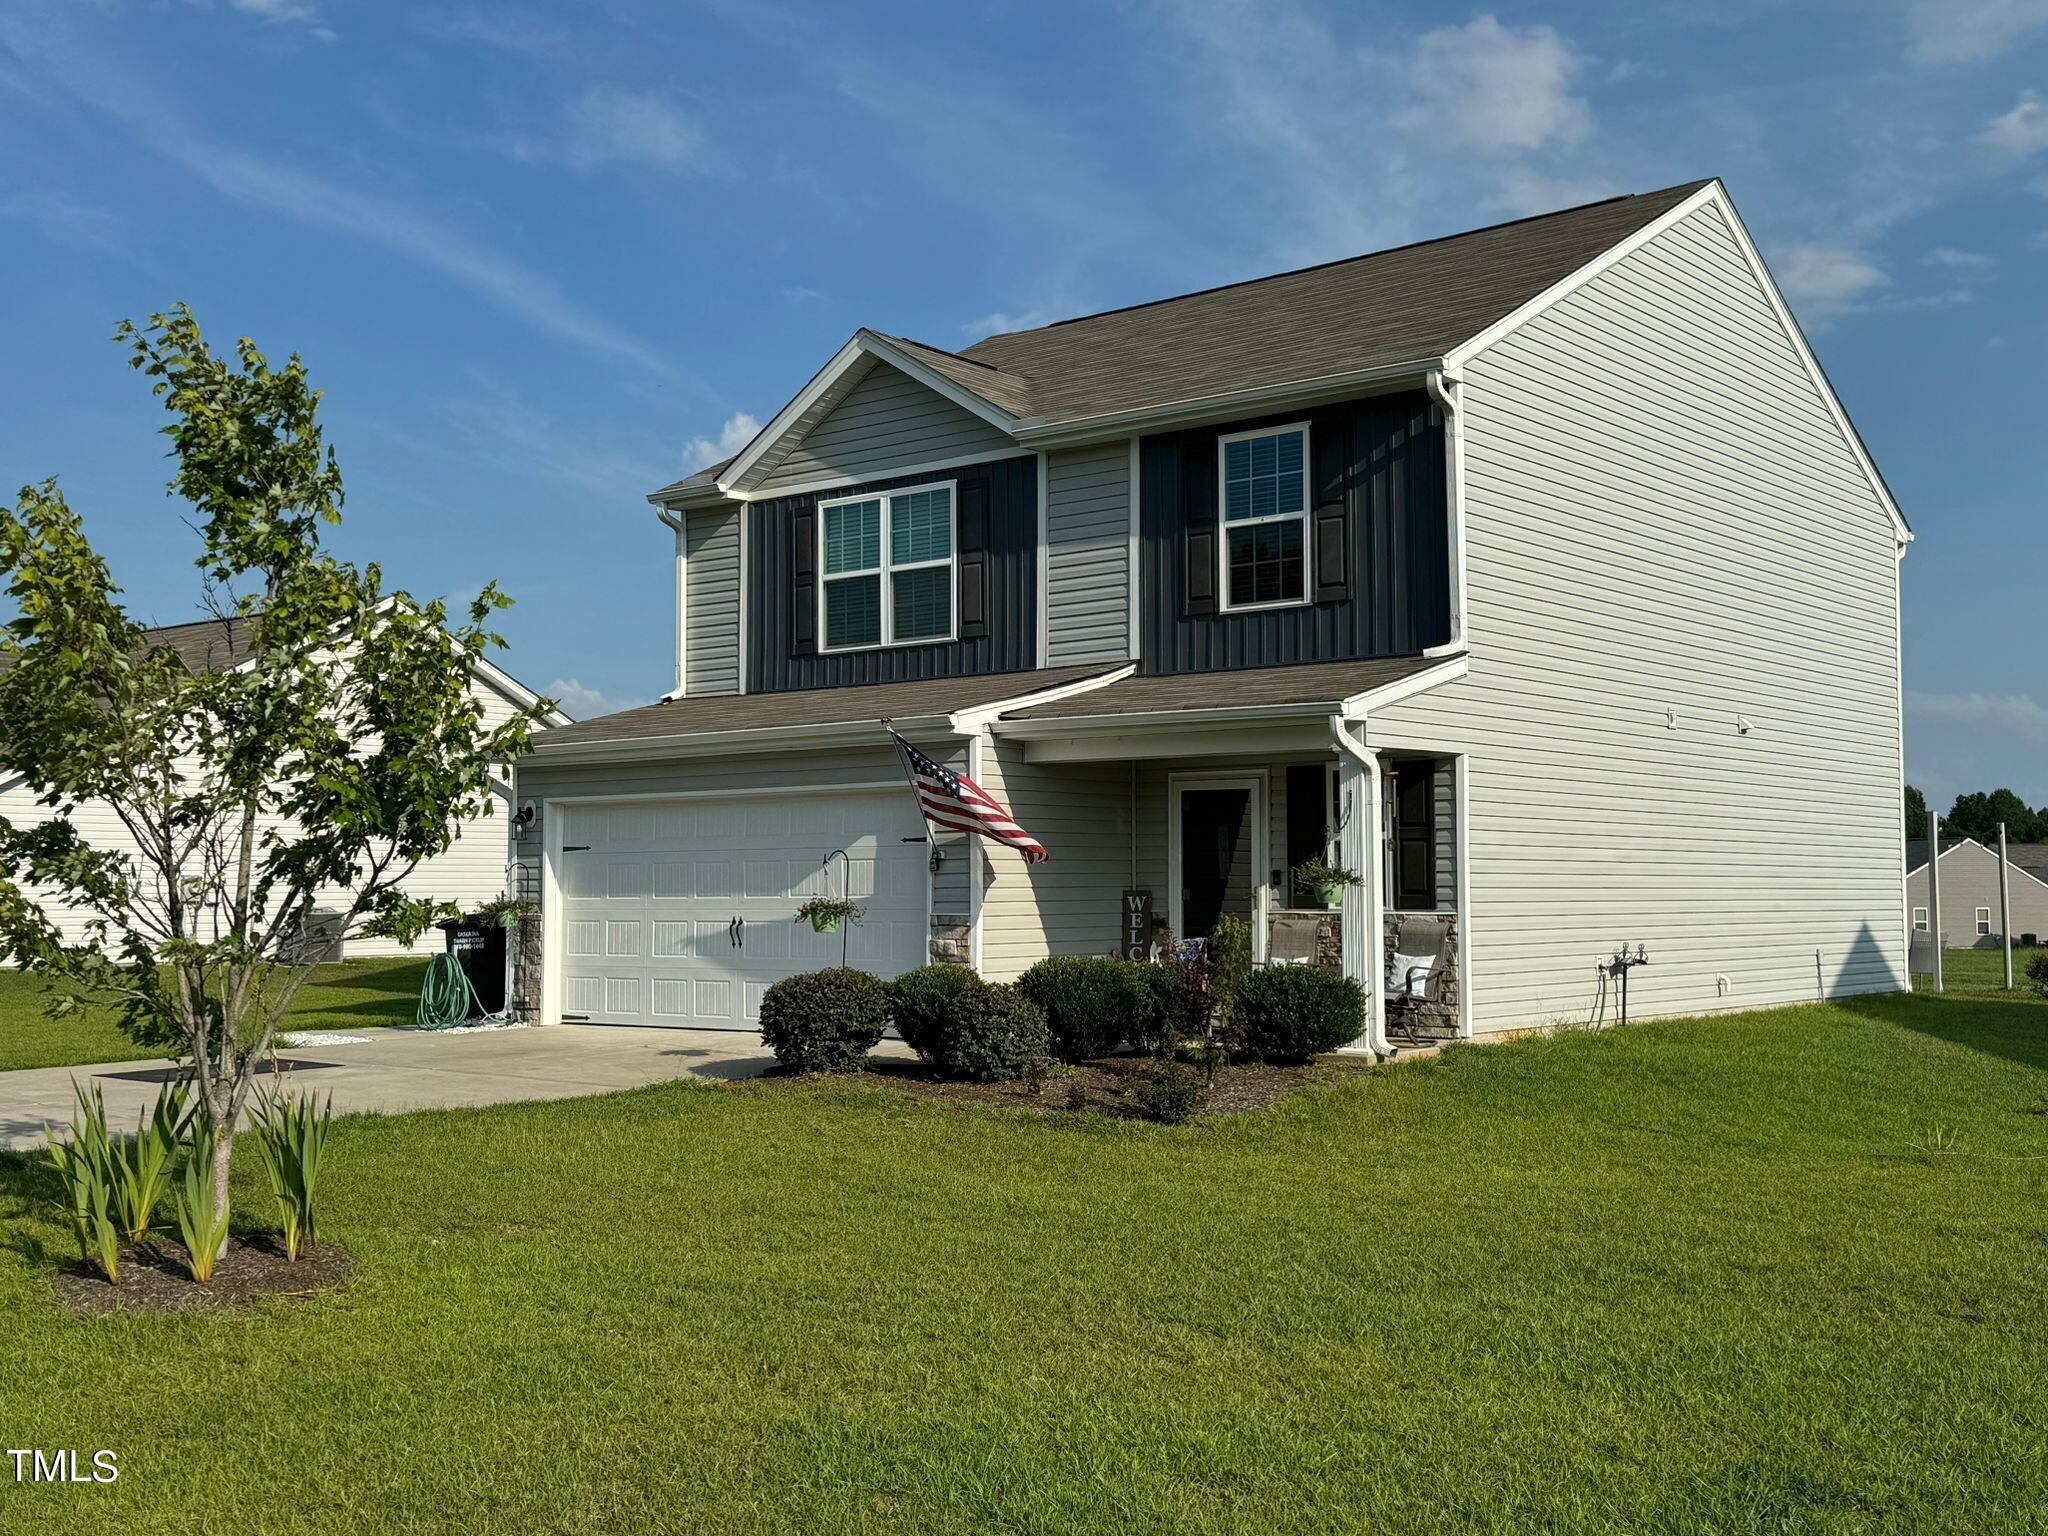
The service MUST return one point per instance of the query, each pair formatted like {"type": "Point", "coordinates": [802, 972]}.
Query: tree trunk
{"type": "Point", "coordinates": [224, 1117]}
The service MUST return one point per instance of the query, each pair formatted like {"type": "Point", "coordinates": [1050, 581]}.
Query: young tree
{"type": "Point", "coordinates": [1916, 813]}
{"type": "Point", "coordinates": [347, 748]}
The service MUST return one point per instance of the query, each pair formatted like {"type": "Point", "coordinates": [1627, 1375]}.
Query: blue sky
{"type": "Point", "coordinates": [542, 259]}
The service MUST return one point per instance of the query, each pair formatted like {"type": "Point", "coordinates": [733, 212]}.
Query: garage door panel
{"type": "Point", "coordinates": [648, 909]}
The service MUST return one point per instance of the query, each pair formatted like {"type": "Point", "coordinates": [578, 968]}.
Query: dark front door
{"type": "Point", "coordinates": [1216, 874]}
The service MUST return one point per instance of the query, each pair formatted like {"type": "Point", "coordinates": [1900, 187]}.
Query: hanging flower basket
{"type": "Point", "coordinates": [826, 913]}
{"type": "Point", "coordinates": [1328, 881]}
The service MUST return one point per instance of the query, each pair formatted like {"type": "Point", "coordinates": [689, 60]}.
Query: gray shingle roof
{"type": "Point", "coordinates": [1317, 684]}
{"type": "Point", "coordinates": [815, 706]}
{"type": "Point", "coordinates": [207, 645]}
{"type": "Point", "coordinates": [1410, 304]}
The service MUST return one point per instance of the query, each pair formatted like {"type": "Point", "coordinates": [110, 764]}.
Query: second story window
{"type": "Point", "coordinates": [887, 568]}
{"type": "Point", "coordinates": [1265, 517]}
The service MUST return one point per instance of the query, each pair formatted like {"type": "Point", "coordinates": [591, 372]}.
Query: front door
{"type": "Point", "coordinates": [1217, 836]}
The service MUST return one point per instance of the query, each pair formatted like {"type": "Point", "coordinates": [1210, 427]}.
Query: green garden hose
{"type": "Point", "coordinates": [446, 997]}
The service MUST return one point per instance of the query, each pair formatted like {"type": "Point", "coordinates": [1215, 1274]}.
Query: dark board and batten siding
{"type": "Point", "coordinates": [1379, 544]}
{"type": "Point", "coordinates": [996, 591]}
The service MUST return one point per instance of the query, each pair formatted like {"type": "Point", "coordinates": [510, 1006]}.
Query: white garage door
{"type": "Point", "coordinates": [680, 912]}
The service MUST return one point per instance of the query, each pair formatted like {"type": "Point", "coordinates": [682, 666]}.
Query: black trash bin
{"type": "Point", "coordinates": [478, 945]}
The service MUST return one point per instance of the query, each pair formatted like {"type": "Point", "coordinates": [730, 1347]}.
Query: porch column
{"type": "Point", "coordinates": [1358, 801]}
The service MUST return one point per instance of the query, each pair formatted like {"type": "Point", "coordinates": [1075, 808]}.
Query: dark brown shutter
{"type": "Point", "coordinates": [974, 542]}
{"type": "Point", "coordinates": [1198, 512]}
{"type": "Point", "coordinates": [803, 579]}
{"type": "Point", "coordinates": [1415, 837]}
{"type": "Point", "coordinates": [1329, 518]}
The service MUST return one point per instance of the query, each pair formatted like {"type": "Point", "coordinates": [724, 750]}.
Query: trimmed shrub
{"type": "Point", "coordinates": [826, 1021]}
{"type": "Point", "coordinates": [1091, 1005]}
{"type": "Point", "coordinates": [2037, 972]}
{"type": "Point", "coordinates": [1230, 963]}
{"type": "Point", "coordinates": [1172, 1006]}
{"type": "Point", "coordinates": [991, 1035]}
{"type": "Point", "coordinates": [918, 1000]}
{"type": "Point", "coordinates": [1168, 1092]}
{"type": "Point", "coordinates": [1293, 1012]}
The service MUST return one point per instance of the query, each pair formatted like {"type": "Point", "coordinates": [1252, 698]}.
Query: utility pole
{"type": "Point", "coordinates": [1934, 891]}
{"type": "Point", "coordinates": [2005, 906]}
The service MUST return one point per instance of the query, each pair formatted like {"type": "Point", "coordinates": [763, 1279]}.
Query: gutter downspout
{"type": "Point", "coordinates": [1443, 386]}
{"type": "Point", "coordinates": [1358, 774]}
{"type": "Point", "coordinates": [682, 596]}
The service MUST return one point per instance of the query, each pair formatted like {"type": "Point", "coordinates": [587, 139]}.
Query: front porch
{"type": "Point", "coordinates": [1159, 831]}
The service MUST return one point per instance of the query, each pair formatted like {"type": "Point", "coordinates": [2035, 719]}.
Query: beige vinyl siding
{"type": "Point", "coordinates": [472, 871]}
{"type": "Point", "coordinates": [1069, 904]}
{"type": "Point", "coordinates": [711, 604]}
{"type": "Point", "coordinates": [1969, 880]}
{"type": "Point", "coordinates": [1087, 554]}
{"type": "Point", "coordinates": [1662, 516]}
{"type": "Point", "coordinates": [886, 421]}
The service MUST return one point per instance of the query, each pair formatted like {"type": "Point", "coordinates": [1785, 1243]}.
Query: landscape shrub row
{"type": "Point", "coordinates": [1205, 1002]}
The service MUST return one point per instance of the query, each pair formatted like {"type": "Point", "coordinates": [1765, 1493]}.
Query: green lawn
{"type": "Point", "coordinates": [351, 995]}
{"type": "Point", "coordinates": [1685, 1277]}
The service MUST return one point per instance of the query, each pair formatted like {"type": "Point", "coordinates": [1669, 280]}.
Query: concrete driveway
{"type": "Point", "coordinates": [392, 1070]}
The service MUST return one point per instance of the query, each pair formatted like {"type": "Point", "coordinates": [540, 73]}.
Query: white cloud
{"type": "Point", "coordinates": [1965, 31]}
{"type": "Point", "coordinates": [998, 322]}
{"type": "Point", "coordinates": [738, 431]}
{"type": "Point", "coordinates": [2021, 132]}
{"type": "Point", "coordinates": [1496, 89]}
{"type": "Point", "coordinates": [605, 126]}
{"type": "Point", "coordinates": [581, 702]}
{"type": "Point", "coordinates": [2013, 714]}
{"type": "Point", "coordinates": [1522, 192]}
{"type": "Point", "coordinates": [285, 190]}
{"type": "Point", "coordinates": [1961, 261]}
{"type": "Point", "coordinates": [1821, 281]}
{"type": "Point", "coordinates": [297, 13]}
{"type": "Point", "coordinates": [64, 220]}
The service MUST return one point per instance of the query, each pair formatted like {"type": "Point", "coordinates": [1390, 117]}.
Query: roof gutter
{"type": "Point", "coordinates": [1038, 432]}
{"type": "Point", "coordinates": [803, 738]}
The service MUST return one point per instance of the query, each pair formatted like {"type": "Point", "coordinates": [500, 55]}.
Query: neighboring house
{"type": "Point", "coordinates": [1969, 893]}
{"type": "Point", "coordinates": [1534, 572]}
{"type": "Point", "coordinates": [476, 869]}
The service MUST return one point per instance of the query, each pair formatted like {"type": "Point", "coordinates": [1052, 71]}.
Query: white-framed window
{"type": "Point", "coordinates": [1983, 922]}
{"type": "Point", "coordinates": [1263, 548]}
{"type": "Point", "coordinates": [886, 568]}
{"type": "Point", "coordinates": [1919, 919]}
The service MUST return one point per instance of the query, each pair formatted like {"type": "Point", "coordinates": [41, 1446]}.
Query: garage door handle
{"type": "Point", "coordinates": [742, 922]}
{"type": "Point", "coordinates": [576, 848]}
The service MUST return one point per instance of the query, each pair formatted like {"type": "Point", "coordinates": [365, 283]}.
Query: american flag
{"type": "Point", "coordinates": [955, 801]}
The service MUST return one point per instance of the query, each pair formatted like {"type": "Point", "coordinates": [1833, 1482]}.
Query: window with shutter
{"type": "Point", "coordinates": [886, 568]}
{"type": "Point", "coordinates": [1264, 480]}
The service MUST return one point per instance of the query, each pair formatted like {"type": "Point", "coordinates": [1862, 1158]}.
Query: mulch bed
{"type": "Point", "coordinates": [1103, 1087]}
{"type": "Point", "coordinates": [154, 1278]}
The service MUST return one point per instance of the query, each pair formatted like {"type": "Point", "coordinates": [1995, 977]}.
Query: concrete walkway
{"type": "Point", "coordinates": [399, 1069]}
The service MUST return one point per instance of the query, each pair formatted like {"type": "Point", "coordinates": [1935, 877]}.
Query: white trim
{"type": "Point", "coordinates": [1225, 525]}
{"type": "Point", "coordinates": [976, 869]}
{"type": "Point", "coordinates": [746, 538]}
{"type": "Point", "coordinates": [1359, 705]}
{"type": "Point", "coordinates": [1200, 410]}
{"type": "Point", "coordinates": [1361, 920]}
{"type": "Point", "coordinates": [1714, 194]}
{"type": "Point", "coordinates": [864, 343]}
{"type": "Point", "coordinates": [1253, 779]}
{"type": "Point", "coordinates": [1447, 390]}
{"type": "Point", "coordinates": [1131, 577]}
{"type": "Point", "coordinates": [1044, 561]}
{"type": "Point", "coordinates": [866, 477]}
{"type": "Point", "coordinates": [982, 716]}
{"type": "Point", "coordinates": [1919, 921]}
{"type": "Point", "coordinates": [1981, 919]}
{"type": "Point", "coordinates": [885, 572]}
{"type": "Point", "coordinates": [1461, 771]}
{"type": "Point", "coordinates": [1989, 852]}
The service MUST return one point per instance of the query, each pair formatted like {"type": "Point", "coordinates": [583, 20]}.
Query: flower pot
{"type": "Point", "coordinates": [820, 923]}
{"type": "Point", "coordinates": [1332, 894]}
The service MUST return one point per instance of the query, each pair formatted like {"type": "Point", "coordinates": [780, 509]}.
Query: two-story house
{"type": "Point", "coordinates": [1535, 574]}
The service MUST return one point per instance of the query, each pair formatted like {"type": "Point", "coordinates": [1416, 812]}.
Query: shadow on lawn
{"type": "Point", "coordinates": [2013, 1027]}
{"type": "Point", "coordinates": [28, 1188]}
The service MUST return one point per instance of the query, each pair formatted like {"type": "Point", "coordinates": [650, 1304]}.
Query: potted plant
{"type": "Point", "coordinates": [1327, 880]}
{"type": "Point", "coordinates": [826, 913]}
